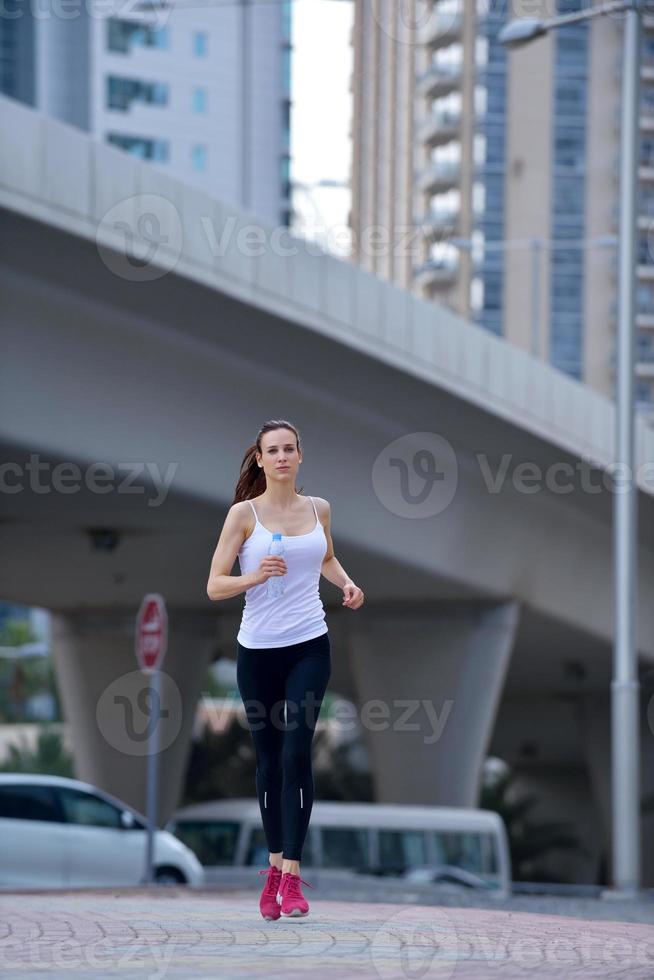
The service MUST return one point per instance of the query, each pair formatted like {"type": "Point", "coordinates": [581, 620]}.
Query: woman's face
{"type": "Point", "coordinates": [279, 455]}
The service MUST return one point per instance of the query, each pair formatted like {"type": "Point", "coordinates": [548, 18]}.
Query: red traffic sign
{"type": "Point", "coordinates": [151, 632]}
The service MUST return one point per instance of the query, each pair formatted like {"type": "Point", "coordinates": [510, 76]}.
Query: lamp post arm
{"type": "Point", "coordinates": [601, 10]}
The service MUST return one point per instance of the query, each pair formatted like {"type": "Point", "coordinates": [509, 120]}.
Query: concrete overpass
{"type": "Point", "coordinates": [152, 328]}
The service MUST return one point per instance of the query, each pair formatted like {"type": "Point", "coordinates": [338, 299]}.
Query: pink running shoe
{"type": "Point", "coordinates": [290, 896]}
{"type": "Point", "coordinates": [268, 905]}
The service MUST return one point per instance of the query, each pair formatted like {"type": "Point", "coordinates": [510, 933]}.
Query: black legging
{"type": "Point", "coordinates": [268, 677]}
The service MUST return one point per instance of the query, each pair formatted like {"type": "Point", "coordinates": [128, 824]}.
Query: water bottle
{"type": "Point", "coordinates": [275, 583]}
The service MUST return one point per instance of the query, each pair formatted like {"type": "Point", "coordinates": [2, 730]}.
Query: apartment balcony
{"type": "Point", "coordinates": [643, 366]}
{"type": "Point", "coordinates": [439, 80]}
{"type": "Point", "coordinates": [646, 171]}
{"type": "Point", "coordinates": [644, 213]}
{"type": "Point", "coordinates": [646, 72]}
{"type": "Point", "coordinates": [645, 271]}
{"type": "Point", "coordinates": [435, 273]}
{"type": "Point", "coordinates": [645, 116]}
{"type": "Point", "coordinates": [437, 223]}
{"type": "Point", "coordinates": [442, 30]}
{"type": "Point", "coordinates": [439, 177]}
{"type": "Point", "coordinates": [440, 128]}
{"type": "Point", "coordinates": [644, 313]}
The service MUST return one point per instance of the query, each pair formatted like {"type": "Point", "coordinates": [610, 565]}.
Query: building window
{"type": "Point", "coordinates": [644, 251]}
{"type": "Point", "coordinates": [647, 99]}
{"type": "Point", "coordinates": [121, 92]}
{"type": "Point", "coordinates": [286, 124]}
{"type": "Point", "coordinates": [199, 100]}
{"type": "Point", "coordinates": [286, 20]}
{"type": "Point", "coordinates": [571, 96]}
{"type": "Point", "coordinates": [286, 177]}
{"type": "Point", "coordinates": [570, 146]}
{"type": "Point", "coordinates": [199, 157]}
{"type": "Point", "coordinates": [141, 147]}
{"type": "Point", "coordinates": [644, 300]}
{"type": "Point", "coordinates": [286, 70]}
{"type": "Point", "coordinates": [123, 35]}
{"type": "Point", "coordinates": [200, 41]}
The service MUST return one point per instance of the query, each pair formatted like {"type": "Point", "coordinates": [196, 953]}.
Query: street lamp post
{"type": "Point", "coordinates": [625, 749]}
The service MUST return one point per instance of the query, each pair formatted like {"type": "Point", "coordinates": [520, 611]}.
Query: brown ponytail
{"type": "Point", "coordinates": [252, 479]}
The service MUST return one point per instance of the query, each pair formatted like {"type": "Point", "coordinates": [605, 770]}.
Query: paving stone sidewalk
{"type": "Point", "coordinates": [175, 932]}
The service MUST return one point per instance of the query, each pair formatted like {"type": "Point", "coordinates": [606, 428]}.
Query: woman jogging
{"type": "Point", "coordinates": [283, 648]}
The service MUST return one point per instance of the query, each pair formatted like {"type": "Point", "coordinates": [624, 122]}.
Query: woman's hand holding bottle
{"type": "Point", "coordinates": [270, 565]}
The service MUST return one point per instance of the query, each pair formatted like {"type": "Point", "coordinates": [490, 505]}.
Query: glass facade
{"type": "Point", "coordinates": [490, 160]}
{"type": "Point", "coordinates": [17, 44]}
{"type": "Point", "coordinates": [568, 219]}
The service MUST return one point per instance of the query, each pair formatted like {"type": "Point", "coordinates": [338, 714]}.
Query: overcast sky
{"type": "Point", "coordinates": [321, 70]}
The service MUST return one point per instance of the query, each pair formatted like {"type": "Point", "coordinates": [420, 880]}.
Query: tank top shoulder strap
{"type": "Point", "coordinates": [314, 509]}
{"type": "Point", "coordinates": [253, 510]}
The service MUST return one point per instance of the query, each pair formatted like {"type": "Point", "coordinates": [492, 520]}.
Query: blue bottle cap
{"type": "Point", "coordinates": [277, 536]}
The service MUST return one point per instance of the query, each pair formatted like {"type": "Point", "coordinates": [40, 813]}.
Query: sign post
{"type": "Point", "coordinates": [151, 642]}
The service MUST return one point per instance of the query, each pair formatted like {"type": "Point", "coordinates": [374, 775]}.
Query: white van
{"type": "Point", "coordinates": [453, 843]}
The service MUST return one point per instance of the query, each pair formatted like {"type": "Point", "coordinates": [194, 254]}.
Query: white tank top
{"type": "Point", "coordinates": [297, 614]}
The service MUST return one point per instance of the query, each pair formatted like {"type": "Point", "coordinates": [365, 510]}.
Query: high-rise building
{"type": "Point", "coordinates": [506, 165]}
{"type": "Point", "coordinates": [382, 137]}
{"type": "Point", "coordinates": [203, 91]}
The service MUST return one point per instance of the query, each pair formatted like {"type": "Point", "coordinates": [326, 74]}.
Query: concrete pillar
{"type": "Point", "coordinates": [107, 703]}
{"type": "Point", "coordinates": [428, 682]}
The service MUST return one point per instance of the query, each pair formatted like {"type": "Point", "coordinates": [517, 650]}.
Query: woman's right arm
{"type": "Point", "coordinates": [222, 584]}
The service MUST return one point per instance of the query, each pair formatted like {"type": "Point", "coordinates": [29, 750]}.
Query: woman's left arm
{"type": "Point", "coordinates": [332, 569]}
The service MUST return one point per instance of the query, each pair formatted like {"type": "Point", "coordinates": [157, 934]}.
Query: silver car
{"type": "Point", "coordinates": [57, 832]}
